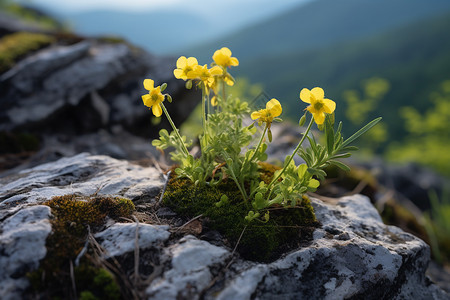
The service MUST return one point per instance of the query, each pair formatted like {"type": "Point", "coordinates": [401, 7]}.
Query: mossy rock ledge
{"type": "Point", "coordinates": [287, 228]}
{"type": "Point", "coordinates": [352, 255]}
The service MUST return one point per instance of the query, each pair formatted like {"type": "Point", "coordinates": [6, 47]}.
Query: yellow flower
{"type": "Point", "coordinates": [273, 109]}
{"type": "Point", "coordinates": [319, 105]}
{"type": "Point", "coordinates": [204, 74]}
{"type": "Point", "coordinates": [184, 66]}
{"type": "Point", "coordinates": [228, 79]}
{"type": "Point", "coordinates": [223, 58]}
{"type": "Point", "coordinates": [154, 98]}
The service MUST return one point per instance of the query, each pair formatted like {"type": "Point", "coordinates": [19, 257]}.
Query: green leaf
{"type": "Point", "coordinates": [350, 148]}
{"type": "Point", "coordinates": [266, 217]}
{"type": "Point", "coordinates": [330, 135]}
{"type": "Point", "coordinates": [343, 155]}
{"type": "Point", "coordinates": [313, 183]}
{"type": "Point", "coordinates": [340, 165]}
{"type": "Point", "coordinates": [312, 143]}
{"type": "Point", "coordinates": [361, 131]}
{"type": "Point", "coordinates": [302, 170]}
{"type": "Point", "coordinates": [339, 127]}
{"type": "Point", "coordinates": [317, 172]}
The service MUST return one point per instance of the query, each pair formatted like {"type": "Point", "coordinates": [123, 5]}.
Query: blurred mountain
{"type": "Point", "coordinates": [146, 29]}
{"type": "Point", "coordinates": [338, 44]}
{"type": "Point", "coordinates": [321, 23]}
{"type": "Point", "coordinates": [414, 58]}
{"type": "Point", "coordinates": [167, 31]}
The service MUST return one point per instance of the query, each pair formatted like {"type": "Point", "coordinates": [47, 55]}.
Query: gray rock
{"type": "Point", "coordinates": [120, 238]}
{"type": "Point", "coordinates": [83, 174]}
{"type": "Point", "coordinates": [22, 246]}
{"type": "Point", "coordinates": [86, 86]}
{"type": "Point", "coordinates": [190, 273]}
{"type": "Point", "coordinates": [352, 255]}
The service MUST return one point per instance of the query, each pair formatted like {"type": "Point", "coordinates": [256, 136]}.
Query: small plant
{"type": "Point", "coordinates": [437, 225]}
{"type": "Point", "coordinates": [227, 151]}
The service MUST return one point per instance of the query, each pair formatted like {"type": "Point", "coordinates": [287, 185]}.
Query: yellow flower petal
{"type": "Point", "coordinates": [223, 58]}
{"type": "Point", "coordinates": [146, 99]}
{"type": "Point", "coordinates": [181, 62]}
{"type": "Point", "coordinates": [149, 84]}
{"type": "Point", "coordinates": [318, 93]}
{"type": "Point", "coordinates": [192, 61]}
{"type": "Point", "coordinates": [216, 70]}
{"type": "Point", "coordinates": [255, 115]}
{"type": "Point", "coordinates": [226, 51]}
{"type": "Point", "coordinates": [234, 62]}
{"type": "Point", "coordinates": [329, 106]}
{"type": "Point", "coordinates": [229, 81]}
{"type": "Point", "coordinates": [319, 118]}
{"type": "Point", "coordinates": [157, 111]}
{"type": "Point", "coordinates": [274, 107]}
{"type": "Point", "coordinates": [178, 73]}
{"type": "Point", "coordinates": [305, 95]}
{"type": "Point", "coordinates": [214, 101]}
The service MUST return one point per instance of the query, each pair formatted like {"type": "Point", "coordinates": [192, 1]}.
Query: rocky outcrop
{"type": "Point", "coordinates": [352, 255]}
{"type": "Point", "coordinates": [77, 87]}
{"type": "Point", "coordinates": [82, 87]}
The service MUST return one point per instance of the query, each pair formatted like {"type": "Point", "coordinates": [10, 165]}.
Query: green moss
{"type": "Point", "coordinates": [73, 215]}
{"type": "Point", "coordinates": [96, 283]}
{"type": "Point", "coordinates": [260, 241]}
{"type": "Point", "coordinates": [16, 45]}
{"type": "Point", "coordinates": [30, 15]}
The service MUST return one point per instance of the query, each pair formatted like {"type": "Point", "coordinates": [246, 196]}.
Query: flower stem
{"type": "Point", "coordinates": [260, 142]}
{"type": "Point", "coordinates": [204, 92]}
{"type": "Point", "coordinates": [292, 156]}
{"type": "Point", "coordinates": [223, 92]}
{"type": "Point", "coordinates": [185, 150]}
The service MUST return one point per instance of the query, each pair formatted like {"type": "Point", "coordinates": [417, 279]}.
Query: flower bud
{"type": "Point", "coordinates": [189, 84]}
{"type": "Point", "coordinates": [302, 120]}
{"type": "Point", "coordinates": [169, 98]}
{"type": "Point", "coordinates": [163, 87]}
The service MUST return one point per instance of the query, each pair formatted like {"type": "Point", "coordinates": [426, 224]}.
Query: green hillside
{"type": "Point", "coordinates": [415, 59]}
{"type": "Point", "coordinates": [320, 23]}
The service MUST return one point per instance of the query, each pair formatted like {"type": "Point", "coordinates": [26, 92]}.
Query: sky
{"type": "Point", "coordinates": [202, 6]}
{"type": "Point", "coordinates": [218, 17]}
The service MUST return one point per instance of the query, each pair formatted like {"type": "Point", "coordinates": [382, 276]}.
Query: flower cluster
{"type": "Point", "coordinates": [226, 145]}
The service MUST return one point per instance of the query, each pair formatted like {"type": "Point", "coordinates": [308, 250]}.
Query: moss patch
{"type": "Point", "coordinates": [73, 215]}
{"type": "Point", "coordinates": [15, 46]}
{"type": "Point", "coordinates": [286, 229]}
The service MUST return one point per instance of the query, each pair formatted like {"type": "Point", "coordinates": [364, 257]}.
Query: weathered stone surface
{"type": "Point", "coordinates": [352, 255]}
{"type": "Point", "coordinates": [22, 246]}
{"type": "Point", "coordinates": [82, 174]}
{"type": "Point", "coordinates": [120, 237]}
{"type": "Point", "coordinates": [190, 273]}
{"type": "Point", "coordinates": [85, 86]}
{"type": "Point", "coordinates": [79, 85]}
